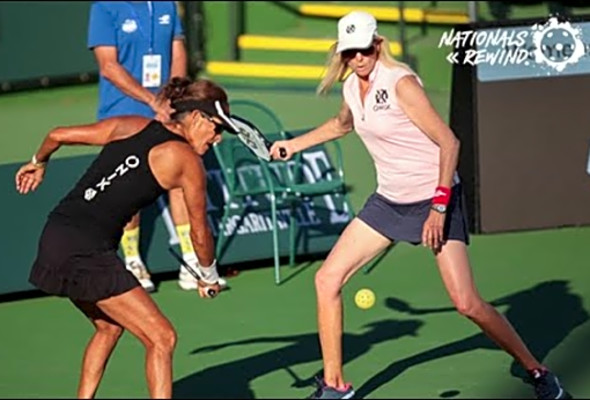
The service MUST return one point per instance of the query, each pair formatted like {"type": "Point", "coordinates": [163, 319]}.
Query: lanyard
{"type": "Point", "coordinates": [151, 13]}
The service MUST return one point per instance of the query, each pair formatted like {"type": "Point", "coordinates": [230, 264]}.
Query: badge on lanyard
{"type": "Point", "coordinates": [152, 70]}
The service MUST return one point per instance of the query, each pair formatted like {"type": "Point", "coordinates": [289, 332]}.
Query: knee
{"type": "Point", "coordinates": [472, 307]}
{"type": "Point", "coordinates": [163, 338]}
{"type": "Point", "coordinates": [111, 331]}
{"type": "Point", "coordinates": [328, 282]}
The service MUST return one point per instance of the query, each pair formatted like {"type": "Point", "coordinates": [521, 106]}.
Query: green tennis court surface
{"type": "Point", "coordinates": [258, 340]}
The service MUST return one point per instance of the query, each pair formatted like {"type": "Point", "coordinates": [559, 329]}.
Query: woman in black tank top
{"type": "Point", "coordinates": [77, 255]}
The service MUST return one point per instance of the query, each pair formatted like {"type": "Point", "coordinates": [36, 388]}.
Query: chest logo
{"type": "Point", "coordinates": [129, 26]}
{"type": "Point", "coordinates": [381, 97]}
{"type": "Point", "coordinates": [131, 162]}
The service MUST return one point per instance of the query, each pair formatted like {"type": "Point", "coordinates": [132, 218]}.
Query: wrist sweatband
{"type": "Point", "coordinates": [209, 274]}
{"type": "Point", "coordinates": [442, 195]}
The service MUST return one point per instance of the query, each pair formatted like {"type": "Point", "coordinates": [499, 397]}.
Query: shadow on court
{"type": "Point", "coordinates": [543, 316]}
{"type": "Point", "coordinates": [232, 379]}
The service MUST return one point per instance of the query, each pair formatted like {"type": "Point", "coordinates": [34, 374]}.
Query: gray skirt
{"type": "Point", "coordinates": [404, 222]}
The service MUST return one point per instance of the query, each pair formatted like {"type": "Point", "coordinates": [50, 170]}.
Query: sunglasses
{"type": "Point", "coordinates": [351, 53]}
{"type": "Point", "coordinates": [219, 128]}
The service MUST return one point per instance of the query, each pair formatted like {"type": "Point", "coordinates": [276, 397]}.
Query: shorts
{"type": "Point", "coordinates": [404, 222]}
{"type": "Point", "coordinates": [70, 264]}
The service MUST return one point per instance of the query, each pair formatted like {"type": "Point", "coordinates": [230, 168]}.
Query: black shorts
{"type": "Point", "coordinates": [71, 264]}
{"type": "Point", "coordinates": [404, 222]}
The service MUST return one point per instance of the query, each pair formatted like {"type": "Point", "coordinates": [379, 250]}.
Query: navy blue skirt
{"type": "Point", "coordinates": [404, 222]}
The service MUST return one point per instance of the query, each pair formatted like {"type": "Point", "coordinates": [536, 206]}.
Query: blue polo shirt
{"type": "Point", "coordinates": [135, 30]}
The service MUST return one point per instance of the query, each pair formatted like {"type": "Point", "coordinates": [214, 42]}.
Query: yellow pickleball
{"type": "Point", "coordinates": [364, 298]}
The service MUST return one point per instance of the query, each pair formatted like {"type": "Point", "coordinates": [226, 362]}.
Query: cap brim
{"type": "Point", "coordinates": [354, 44]}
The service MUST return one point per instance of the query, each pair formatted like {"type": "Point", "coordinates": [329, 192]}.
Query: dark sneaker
{"type": "Point", "coordinates": [547, 386]}
{"type": "Point", "coordinates": [327, 392]}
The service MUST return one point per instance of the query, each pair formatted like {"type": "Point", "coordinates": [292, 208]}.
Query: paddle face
{"type": "Point", "coordinates": [252, 138]}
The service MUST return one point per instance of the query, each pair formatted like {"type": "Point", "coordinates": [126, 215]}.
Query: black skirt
{"type": "Point", "coordinates": [71, 264]}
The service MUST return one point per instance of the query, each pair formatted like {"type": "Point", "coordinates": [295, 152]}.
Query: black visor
{"type": "Point", "coordinates": [211, 108]}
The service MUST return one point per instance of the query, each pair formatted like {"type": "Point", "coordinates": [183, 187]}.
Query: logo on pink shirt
{"type": "Point", "coordinates": [381, 97]}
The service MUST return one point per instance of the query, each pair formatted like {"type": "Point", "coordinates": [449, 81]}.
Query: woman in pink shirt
{"type": "Point", "coordinates": [418, 197]}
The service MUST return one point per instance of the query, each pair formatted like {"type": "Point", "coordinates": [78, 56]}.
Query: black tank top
{"type": "Point", "coordinates": [118, 183]}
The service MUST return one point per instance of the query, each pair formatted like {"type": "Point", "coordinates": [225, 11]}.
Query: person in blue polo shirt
{"type": "Point", "coordinates": [139, 46]}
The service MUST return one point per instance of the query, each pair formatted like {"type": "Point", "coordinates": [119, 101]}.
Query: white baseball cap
{"type": "Point", "coordinates": [356, 30]}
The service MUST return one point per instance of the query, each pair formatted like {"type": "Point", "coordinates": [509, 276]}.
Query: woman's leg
{"type": "Point", "coordinates": [133, 261]}
{"type": "Point", "coordinates": [358, 244]}
{"type": "Point", "coordinates": [454, 267]}
{"type": "Point", "coordinates": [98, 350]}
{"type": "Point", "coordinates": [138, 313]}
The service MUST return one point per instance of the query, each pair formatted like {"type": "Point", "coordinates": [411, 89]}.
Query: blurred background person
{"type": "Point", "coordinates": [139, 46]}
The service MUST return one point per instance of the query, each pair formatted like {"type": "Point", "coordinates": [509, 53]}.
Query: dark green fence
{"type": "Point", "coordinates": [43, 44]}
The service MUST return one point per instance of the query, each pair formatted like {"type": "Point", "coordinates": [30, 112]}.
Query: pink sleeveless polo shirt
{"type": "Point", "coordinates": [406, 160]}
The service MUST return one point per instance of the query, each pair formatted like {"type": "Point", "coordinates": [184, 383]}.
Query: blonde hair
{"type": "Point", "coordinates": [338, 70]}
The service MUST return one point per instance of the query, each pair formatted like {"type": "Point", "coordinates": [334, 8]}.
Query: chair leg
{"type": "Point", "coordinates": [221, 234]}
{"type": "Point", "coordinates": [292, 221]}
{"type": "Point", "coordinates": [351, 211]}
{"type": "Point", "coordinates": [275, 237]}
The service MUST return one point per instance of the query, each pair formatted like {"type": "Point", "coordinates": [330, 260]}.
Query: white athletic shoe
{"type": "Point", "coordinates": [139, 270]}
{"type": "Point", "coordinates": [188, 282]}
